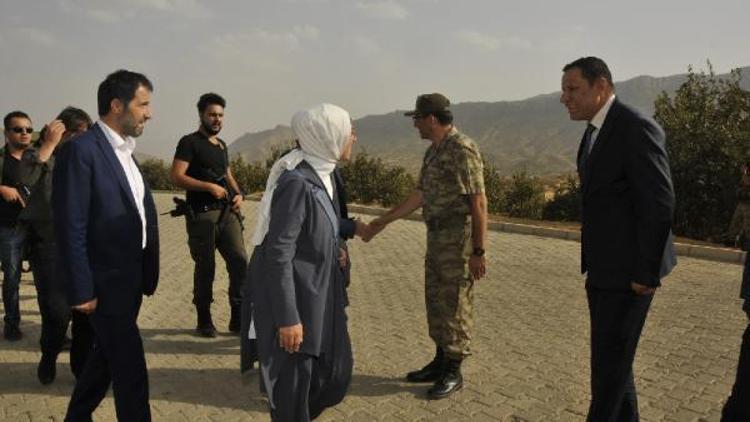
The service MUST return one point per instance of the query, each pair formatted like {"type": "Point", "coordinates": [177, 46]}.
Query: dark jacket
{"type": "Point", "coordinates": [628, 203]}
{"type": "Point", "coordinates": [292, 270]}
{"type": "Point", "coordinates": [98, 228]}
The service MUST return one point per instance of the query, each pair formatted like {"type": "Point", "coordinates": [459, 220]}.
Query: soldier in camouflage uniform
{"type": "Point", "coordinates": [450, 191]}
{"type": "Point", "coordinates": [736, 408]}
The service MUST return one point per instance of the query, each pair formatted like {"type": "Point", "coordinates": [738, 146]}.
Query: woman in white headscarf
{"type": "Point", "coordinates": [295, 279]}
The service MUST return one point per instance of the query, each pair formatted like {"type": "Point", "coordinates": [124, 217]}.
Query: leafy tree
{"type": "Point", "coordinates": [707, 124]}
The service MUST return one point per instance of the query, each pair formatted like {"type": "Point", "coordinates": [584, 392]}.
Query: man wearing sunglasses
{"type": "Point", "coordinates": [18, 131]}
{"type": "Point", "coordinates": [20, 167]}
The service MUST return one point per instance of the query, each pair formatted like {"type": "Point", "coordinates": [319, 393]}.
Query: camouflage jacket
{"type": "Point", "coordinates": [450, 172]}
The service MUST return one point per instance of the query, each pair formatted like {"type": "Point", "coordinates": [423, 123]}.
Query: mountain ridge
{"type": "Point", "coordinates": [533, 134]}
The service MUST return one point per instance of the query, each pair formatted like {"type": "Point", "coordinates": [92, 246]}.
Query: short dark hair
{"type": "Point", "coordinates": [445, 117]}
{"type": "Point", "coordinates": [592, 68]}
{"type": "Point", "coordinates": [208, 99]}
{"type": "Point", "coordinates": [14, 115]}
{"type": "Point", "coordinates": [120, 85]}
{"type": "Point", "coordinates": [72, 117]}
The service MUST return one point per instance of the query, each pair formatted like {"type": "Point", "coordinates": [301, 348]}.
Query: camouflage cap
{"type": "Point", "coordinates": [429, 104]}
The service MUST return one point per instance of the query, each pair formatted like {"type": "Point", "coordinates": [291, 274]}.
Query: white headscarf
{"type": "Point", "coordinates": [321, 132]}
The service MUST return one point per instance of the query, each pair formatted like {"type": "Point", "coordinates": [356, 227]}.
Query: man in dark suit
{"type": "Point", "coordinates": [106, 226]}
{"type": "Point", "coordinates": [628, 202]}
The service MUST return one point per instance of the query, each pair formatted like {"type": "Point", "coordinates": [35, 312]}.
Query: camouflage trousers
{"type": "Point", "coordinates": [449, 290]}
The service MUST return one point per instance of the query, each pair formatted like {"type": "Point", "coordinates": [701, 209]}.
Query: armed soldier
{"type": "Point", "coordinates": [201, 167]}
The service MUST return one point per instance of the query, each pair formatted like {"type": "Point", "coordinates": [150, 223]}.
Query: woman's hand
{"type": "Point", "coordinates": [290, 338]}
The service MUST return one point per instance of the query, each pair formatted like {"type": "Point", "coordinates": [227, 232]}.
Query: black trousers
{"type": "Point", "coordinates": [117, 358]}
{"type": "Point", "coordinates": [737, 408]}
{"type": "Point", "coordinates": [617, 318]}
{"type": "Point", "coordinates": [52, 299]}
{"type": "Point", "coordinates": [206, 234]}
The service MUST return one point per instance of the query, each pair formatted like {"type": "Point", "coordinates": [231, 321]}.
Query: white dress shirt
{"type": "Point", "coordinates": [124, 151]}
{"type": "Point", "coordinates": [598, 120]}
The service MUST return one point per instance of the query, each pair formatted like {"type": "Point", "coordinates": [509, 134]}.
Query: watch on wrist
{"type": "Point", "coordinates": [478, 252]}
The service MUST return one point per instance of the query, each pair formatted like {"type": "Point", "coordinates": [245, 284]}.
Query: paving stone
{"type": "Point", "coordinates": [531, 352]}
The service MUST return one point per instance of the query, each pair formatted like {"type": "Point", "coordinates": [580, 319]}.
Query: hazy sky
{"type": "Point", "coordinates": [271, 58]}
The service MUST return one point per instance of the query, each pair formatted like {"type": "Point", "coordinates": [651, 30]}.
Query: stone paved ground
{"type": "Point", "coordinates": [531, 348]}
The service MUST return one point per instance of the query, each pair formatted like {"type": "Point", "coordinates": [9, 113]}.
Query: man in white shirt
{"type": "Point", "coordinates": [626, 243]}
{"type": "Point", "coordinates": [106, 226]}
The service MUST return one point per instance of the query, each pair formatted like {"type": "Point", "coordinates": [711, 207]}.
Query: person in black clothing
{"type": "Point", "coordinates": [736, 408]}
{"type": "Point", "coordinates": [201, 167]}
{"type": "Point", "coordinates": [15, 192]}
{"type": "Point", "coordinates": [37, 222]}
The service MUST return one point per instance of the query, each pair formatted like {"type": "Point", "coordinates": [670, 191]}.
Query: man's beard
{"type": "Point", "coordinates": [209, 129]}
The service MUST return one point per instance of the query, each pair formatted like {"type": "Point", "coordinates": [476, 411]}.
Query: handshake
{"type": "Point", "coordinates": [366, 231]}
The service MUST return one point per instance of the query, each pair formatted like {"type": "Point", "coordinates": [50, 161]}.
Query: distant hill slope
{"type": "Point", "coordinates": [534, 134]}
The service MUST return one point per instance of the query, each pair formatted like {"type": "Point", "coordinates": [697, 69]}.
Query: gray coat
{"type": "Point", "coordinates": [291, 272]}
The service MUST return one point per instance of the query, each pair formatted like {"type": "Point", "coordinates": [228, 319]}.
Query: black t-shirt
{"type": "Point", "coordinates": [208, 162]}
{"type": "Point", "coordinates": [12, 176]}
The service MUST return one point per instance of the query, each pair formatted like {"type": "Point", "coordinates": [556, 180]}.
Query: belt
{"type": "Point", "coordinates": [444, 223]}
{"type": "Point", "coordinates": [208, 207]}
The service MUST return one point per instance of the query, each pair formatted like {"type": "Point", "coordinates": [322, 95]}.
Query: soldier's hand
{"type": "Point", "coordinates": [477, 267]}
{"type": "Point", "coordinates": [217, 191]}
{"type": "Point", "coordinates": [372, 229]}
{"type": "Point", "coordinates": [237, 203]}
{"type": "Point", "coordinates": [290, 337]}
{"type": "Point", "coordinates": [641, 289]}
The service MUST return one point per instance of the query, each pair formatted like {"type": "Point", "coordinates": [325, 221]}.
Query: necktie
{"type": "Point", "coordinates": [585, 147]}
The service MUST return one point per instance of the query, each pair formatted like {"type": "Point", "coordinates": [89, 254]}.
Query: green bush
{"type": "Point", "coordinates": [566, 204]}
{"type": "Point", "coordinates": [156, 174]}
{"type": "Point", "coordinates": [369, 181]}
{"type": "Point", "coordinates": [525, 196]}
{"type": "Point", "coordinates": [496, 190]}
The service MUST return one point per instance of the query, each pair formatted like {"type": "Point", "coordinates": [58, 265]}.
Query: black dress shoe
{"type": "Point", "coordinates": [449, 383]}
{"type": "Point", "coordinates": [207, 330]}
{"type": "Point", "coordinates": [47, 369]}
{"type": "Point", "coordinates": [11, 332]}
{"type": "Point", "coordinates": [205, 326]}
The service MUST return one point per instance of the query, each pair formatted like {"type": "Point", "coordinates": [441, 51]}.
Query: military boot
{"type": "Point", "coordinates": [205, 326]}
{"type": "Point", "coordinates": [432, 371]}
{"type": "Point", "coordinates": [450, 382]}
{"type": "Point", "coordinates": [235, 319]}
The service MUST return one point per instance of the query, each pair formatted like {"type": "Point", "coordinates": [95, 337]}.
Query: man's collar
{"type": "Point", "coordinates": [114, 138]}
{"type": "Point", "coordinates": [451, 132]}
{"type": "Point", "coordinates": [598, 119]}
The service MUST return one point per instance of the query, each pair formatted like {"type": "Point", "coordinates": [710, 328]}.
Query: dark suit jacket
{"type": "Point", "coordinates": [347, 227]}
{"type": "Point", "coordinates": [291, 272]}
{"type": "Point", "coordinates": [628, 203]}
{"type": "Point", "coordinates": [99, 229]}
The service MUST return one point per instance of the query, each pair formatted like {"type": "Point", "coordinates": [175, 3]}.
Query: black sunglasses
{"type": "Point", "coordinates": [28, 130]}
